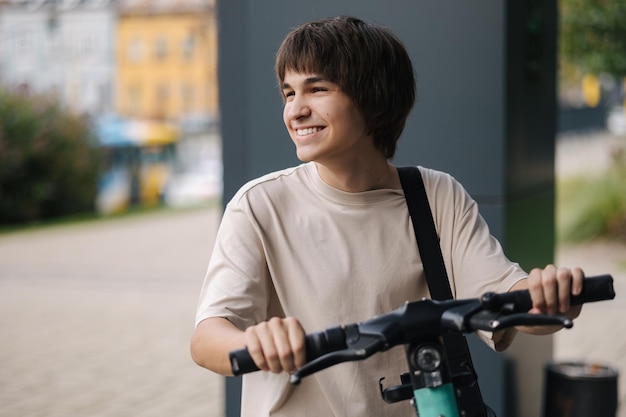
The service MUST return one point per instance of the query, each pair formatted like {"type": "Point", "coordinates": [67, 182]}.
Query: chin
{"type": "Point", "coordinates": [304, 156]}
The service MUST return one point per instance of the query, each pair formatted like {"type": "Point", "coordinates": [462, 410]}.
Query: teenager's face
{"type": "Point", "coordinates": [322, 121]}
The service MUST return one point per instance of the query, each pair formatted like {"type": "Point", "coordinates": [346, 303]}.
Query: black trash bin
{"type": "Point", "coordinates": [578, 389]}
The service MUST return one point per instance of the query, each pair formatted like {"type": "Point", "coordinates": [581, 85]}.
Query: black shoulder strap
{"type": "Point", "coordinates": [425, 232]}
{"type": "Point", "coordinates": [457, 350]}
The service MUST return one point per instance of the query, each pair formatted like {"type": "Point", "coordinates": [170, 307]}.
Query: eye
{"type": "Point", "coordinates": [318, 89]}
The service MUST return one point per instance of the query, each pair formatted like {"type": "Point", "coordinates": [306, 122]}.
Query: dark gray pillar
{"type": "Point", "coordinates": [479, 115]}
{"type": "Point", "coordinates": [530, 138]}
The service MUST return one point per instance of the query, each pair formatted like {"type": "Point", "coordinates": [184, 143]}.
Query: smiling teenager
{"type": "Point", "coordinates": [331, 241]}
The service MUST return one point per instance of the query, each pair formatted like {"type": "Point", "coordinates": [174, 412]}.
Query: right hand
{"type": "Point", "coordinates": [277, 345]}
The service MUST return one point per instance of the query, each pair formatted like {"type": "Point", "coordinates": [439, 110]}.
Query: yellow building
{"type": "Point", "coordinates": [166, 60]}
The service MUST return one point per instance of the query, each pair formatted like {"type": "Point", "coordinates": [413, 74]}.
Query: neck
{"type": "Point", "coordinates": [356, 178]}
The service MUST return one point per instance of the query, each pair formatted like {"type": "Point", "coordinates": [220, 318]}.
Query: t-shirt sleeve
{"type": "Point", "coordinates": [236, 285]}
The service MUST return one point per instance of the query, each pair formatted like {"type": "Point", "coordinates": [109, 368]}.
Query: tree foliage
{"type": "Point", "coordinates": [593, 35]}
{"type": "Point", "coordinates": [48, 164]}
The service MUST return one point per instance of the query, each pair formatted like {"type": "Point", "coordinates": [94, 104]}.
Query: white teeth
{"type": "Point", "coordinates": [307, 131]}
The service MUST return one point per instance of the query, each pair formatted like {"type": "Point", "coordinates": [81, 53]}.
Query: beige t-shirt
{"type": "Point", "coordinates": [291, 245]}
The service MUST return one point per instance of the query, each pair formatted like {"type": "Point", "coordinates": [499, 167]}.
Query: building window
{"type": "Point", "coordinates": [160, 49]}
{"type": "Point", "coordinates": [134, 100]}
{"type": "Point", "coordinates": [160, 110]}
{"type": "Point", "coordinates": [162, 95]}
{"type": "Point", "coordinates": [188, 47]}
{"type": "Point", "coordinates": [187, 96]}
{"type": "Point", "coordinates": [52, 21]}
{"type": "Point", "coordinates": [24, 45]}
{"type": "Point", "coordinates": [133, 50]}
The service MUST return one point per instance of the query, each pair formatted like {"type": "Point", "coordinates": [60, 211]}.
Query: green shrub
{"type": "Point", "coordinates": [593, 207]}
{"type": "Point", "coordinates": [48, 161]}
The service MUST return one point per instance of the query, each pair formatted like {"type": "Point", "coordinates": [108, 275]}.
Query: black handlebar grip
{"type": "Point", "coordinates": [595, 288]}
{"type": "Point", "coordinates": [317, 344]}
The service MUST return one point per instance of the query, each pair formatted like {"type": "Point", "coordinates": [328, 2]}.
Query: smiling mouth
{"type": "Point", "coordinates": [308, 131]}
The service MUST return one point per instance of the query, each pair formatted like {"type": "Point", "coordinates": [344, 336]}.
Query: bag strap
{"type": "Point", "coordinates": [425, 233]}
{"type": "Point", "coordinates": [455, 344]}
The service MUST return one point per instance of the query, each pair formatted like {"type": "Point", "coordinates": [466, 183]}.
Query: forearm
{"type": "Point", "coordinates": [211, 342]}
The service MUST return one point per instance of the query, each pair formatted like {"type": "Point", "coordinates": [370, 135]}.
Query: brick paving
{"type": "Point", "coordinates": [95, 319]}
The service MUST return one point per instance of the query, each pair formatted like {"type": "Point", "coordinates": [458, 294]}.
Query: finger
{"type": "Point", "coordinates": [550, 289]}
{"type": "Point", "coordinates": [564, 288]}
{"type": "Point", "coordinates": [578, 277]}
{"type": "Point", "coordinates": [284, 355]}
{"type": "Point", "coordinates": [296, 337]}
{"type": "Point", "coordinates": [255, 347]}
{"type": "Point", "coordinates": [535, 289]}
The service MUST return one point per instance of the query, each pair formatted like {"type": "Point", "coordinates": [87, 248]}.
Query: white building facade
{"type": "Point", "coordinates": [63, 47]}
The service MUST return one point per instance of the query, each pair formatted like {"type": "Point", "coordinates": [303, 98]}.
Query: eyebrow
{"type": "Point", "coordinates": [307, 81]}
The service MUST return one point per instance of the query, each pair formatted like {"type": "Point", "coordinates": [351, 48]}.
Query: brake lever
{"type": "Point", "coordinates": [336, 357]}
{"type": "Point", "coordinates": [492, 321]}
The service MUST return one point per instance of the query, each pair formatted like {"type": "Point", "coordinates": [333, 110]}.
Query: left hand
{"type": "Point", "coordinates": [550, 290]}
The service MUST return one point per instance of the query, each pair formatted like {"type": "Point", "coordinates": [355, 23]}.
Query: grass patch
{"type": "Point", "coordinates": [589, 208]}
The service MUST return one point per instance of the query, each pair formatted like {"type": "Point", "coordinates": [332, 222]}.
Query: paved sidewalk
{"type": "Point", "coordinates": [95, 319]}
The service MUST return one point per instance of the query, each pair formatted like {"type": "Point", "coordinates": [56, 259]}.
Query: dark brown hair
{"type": "Point", "coordinates": [367, 61]}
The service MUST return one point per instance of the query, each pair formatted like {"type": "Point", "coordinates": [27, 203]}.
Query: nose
{"type": "Point", "coordinates": [297, 108]}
